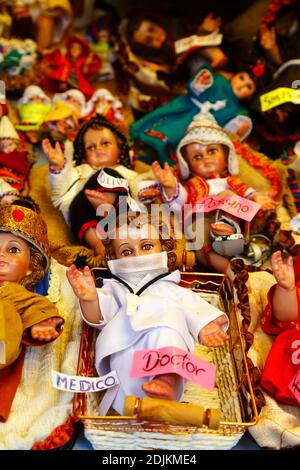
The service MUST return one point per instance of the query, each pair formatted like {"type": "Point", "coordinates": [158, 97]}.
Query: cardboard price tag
{"type": "Point", "coordinates": [75, 383]}
{"type": "Point", "coordinates": [182, 45]}
{"type": "Point", "coordinates": [279, 96]}
{"type": "Point", "coordinates": [232, 204]}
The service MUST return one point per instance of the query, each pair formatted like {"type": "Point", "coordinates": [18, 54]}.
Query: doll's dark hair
{"type": "Point", "coordinates": [139, 219]}
{"type": "Point", "coordinates": [98, 122]}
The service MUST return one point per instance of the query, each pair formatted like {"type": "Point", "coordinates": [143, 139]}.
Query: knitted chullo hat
{"type": "Point", "coordinates": [27, 224]}
{"type": "Point", "coordinates": [204, 130]}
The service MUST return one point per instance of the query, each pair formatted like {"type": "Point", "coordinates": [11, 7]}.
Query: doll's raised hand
{"type": "Point", "coordinates": [283, 272]}
{"type": "Point", "coordinates": [267, 37]}
{"type": "Point", "coordinates": [83, 283]}
{"type": "Point", "coordinates": [166, 178]}
{"type": "Point", "coordinates": [210, 24]}
{"type": "Point", "coordinates": [54, 155]}
{"type": "Point", "coordinates": [46, 330]}
{"type": "Point", "coordinates": [212, 334]}
{"type": "Point", "coordinates": [266, 202]}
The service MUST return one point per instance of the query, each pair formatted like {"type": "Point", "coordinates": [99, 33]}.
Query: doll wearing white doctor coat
{"type": "Point", "coordinates": [163, 314]}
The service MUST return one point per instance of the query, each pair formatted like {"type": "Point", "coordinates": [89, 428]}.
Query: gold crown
{"type": "Point", "coordinates": [27, 224]}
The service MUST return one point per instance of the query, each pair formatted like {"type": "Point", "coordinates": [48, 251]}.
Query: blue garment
{"type": "Point", "coordinates": [163, 128]}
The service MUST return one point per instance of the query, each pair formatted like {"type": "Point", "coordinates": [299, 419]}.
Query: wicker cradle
{"type": "Point", "coordinates": [233, 389]}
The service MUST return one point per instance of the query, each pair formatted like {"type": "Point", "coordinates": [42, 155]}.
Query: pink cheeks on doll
{"type": "Point", "coordinates": [204, 160]}
{"type": "Point", "coordinates": [14, 258]}
{"type": "Point", "coordinates": [101, 148]}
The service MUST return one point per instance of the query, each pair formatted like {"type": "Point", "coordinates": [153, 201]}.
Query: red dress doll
{"type": "Point", "coordinates": [72, 68]}
{"type": "Point", "coordinates": [282, 317]}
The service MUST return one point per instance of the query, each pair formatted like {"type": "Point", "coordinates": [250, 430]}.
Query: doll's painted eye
{"type": "Point", "coordinates": [126, 252]}
{"type": "Point", "coordinates": [91, 148]}
{"type": "Point", "coordinates": [147, 246]}
{"type": "Point", "coordinates": [14, 249]}
{"type": "Point", "coordinates": [197, 158]}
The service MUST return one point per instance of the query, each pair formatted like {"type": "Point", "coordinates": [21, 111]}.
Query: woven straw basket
{"type": "Point", "coordinates": [233, 392]}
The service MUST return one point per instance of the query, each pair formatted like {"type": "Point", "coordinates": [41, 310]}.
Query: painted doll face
{"type": "Point", "coordinates": [8, 145]}
{"type": "Point", "coordinates": [103, 36]}
{"type": "Point", "coordinates": [66, 126]}
{"type": "Point", "coordinates": [36, 99]}
{"type": "Point", "coordinates": [242, 85]}
{"type": "Point", "coordinates": [74, 104]}
{"type": "Point", "coordinates": [204, 160]}
{"type": "Point", "coordinates": [101, 148]}
{"type": "Point", "coordinates": [150, 34]}
{"type": "Point", "coordinates": [14, 258]}
{"type": "Point", "coordinates": [132, 241]}
{"type": "Point", "coordinates": [75, 50]}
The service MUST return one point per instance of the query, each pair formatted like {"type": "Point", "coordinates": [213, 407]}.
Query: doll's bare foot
{"type": "Point", "coordinates": [95, 197]}
{"type": "Point", "coordinates": [162, 386]}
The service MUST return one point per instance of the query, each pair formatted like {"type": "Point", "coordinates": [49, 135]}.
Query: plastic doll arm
{"type": "Point", "coordinates": [54, 155]}
{"type": "Point", "coordinates": [213, 334]}
{"type": "Point", "coordinates": [166, 178]}
{"type": "Point", "coordinates": [266, 202]}
{"type": "Point", "coordinates": [46, 330]}
{"type": "Point", "coordinates": [285, 291]}
{"type": "Point", "coordinates": [269, 43]}
{"type": "Point", "coordinates": [209, 24]}
{"type": "Point", "coordinates": [84, 288]}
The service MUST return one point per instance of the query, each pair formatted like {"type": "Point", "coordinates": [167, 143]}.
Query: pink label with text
{"type": "Point", "coordinates": [294, 386]}
{"type": "Point", "coordinates": [233, 204]}
{"type": "Point", "coordinates": [173, 360]}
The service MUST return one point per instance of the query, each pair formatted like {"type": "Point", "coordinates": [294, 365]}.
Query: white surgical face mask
{"type": "Point", "coordinates": [134, 268]}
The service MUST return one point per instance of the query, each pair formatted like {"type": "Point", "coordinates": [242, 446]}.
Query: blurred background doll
{"type": "Point", "coordinates": [15, 163]}
{"type": "Point", "coordinates": [32, 108]}
{"type": "Point", "coordinates": [105, 103]}
{"type": "Point", "coordinates": [74, 98]}
{"type": "Point", "coordinates": [209, 166]}
{"type": "Point", "coordinates": [143, 308]}
{"type": "Point", "coordinates": [5, 19]}
{"type": "Point", "coordinates": [26, 318]}
{"type": "Point", "coordinates": [72, 68]}
{"type": "Point", "coordinates": [62, 122]}
{"type": "Point", "coordinates": [282, 363]}
{"type": "Point", "coordinates": [208, 91]}
{"type": "Point", "coordinates": [46, 21]}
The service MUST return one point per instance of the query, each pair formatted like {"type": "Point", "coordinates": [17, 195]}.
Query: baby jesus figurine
{"type": "Point", "coordinates": [143, 307]}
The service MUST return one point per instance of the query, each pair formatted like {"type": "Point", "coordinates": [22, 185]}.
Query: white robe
{"type": "Point", "coordinates": [164, 314]}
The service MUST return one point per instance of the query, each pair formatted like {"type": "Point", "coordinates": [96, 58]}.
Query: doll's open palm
{"type": "Point", "coordinates": [210, 23]}
{"type": "Point", "coordinates": [266, 202]}
{"type": "Point", "coordinates": [83, 283]}
{"type": "Point", "coordinates": [166, 177]}
{"type": "Point", "coordinates": [212, 334]}
{"type": "Point", "coordinates": [46, 330]}
{"type": "Point", "coordinates": [54, 155]}
{"type": "Point", "coordinates": [96, 198]}
{"type": "Point", "coordinates": [283, 272]}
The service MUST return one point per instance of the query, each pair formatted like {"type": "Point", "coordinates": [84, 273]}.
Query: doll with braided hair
{"type": "Point", "coordinates": [98, 144]}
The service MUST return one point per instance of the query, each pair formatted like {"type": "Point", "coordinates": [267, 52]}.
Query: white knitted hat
{"type": "Point", "coordinates": [205, 130]}
{"type": "Point", "coordinates": [7, 130]}
{"type": "Point", "coordinates": [33, 90]}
